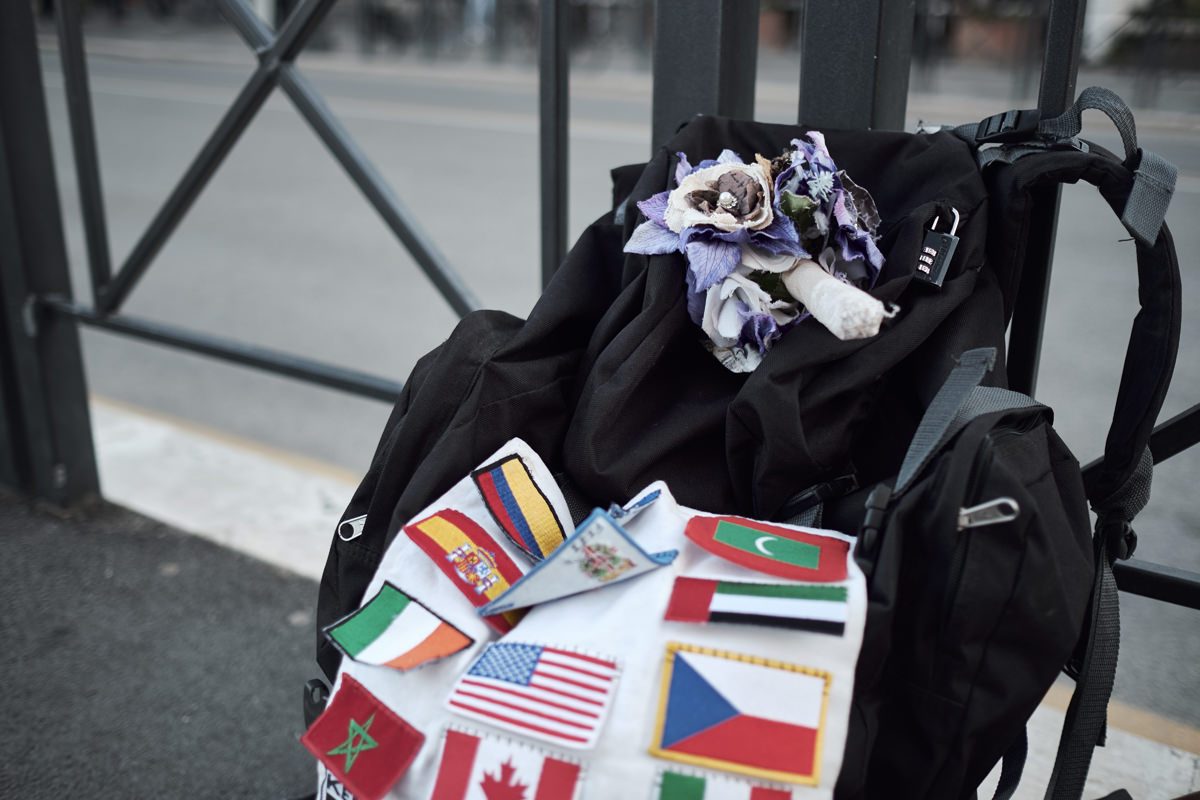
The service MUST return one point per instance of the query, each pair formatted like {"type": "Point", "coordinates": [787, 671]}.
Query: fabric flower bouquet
{"type": "Point", "coordinates": [768, 244]}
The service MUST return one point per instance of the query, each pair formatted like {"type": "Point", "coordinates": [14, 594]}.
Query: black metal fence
{"type": "Point", "coordinates": [850, 76]}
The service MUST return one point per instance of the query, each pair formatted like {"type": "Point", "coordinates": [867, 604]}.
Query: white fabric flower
{"type": "Point", "coordinates": [728, 197]}
{"type": "Point", "coordinates": [728, 304]}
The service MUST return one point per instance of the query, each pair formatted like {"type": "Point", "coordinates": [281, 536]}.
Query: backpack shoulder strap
{"type": "Point", "coordinates": [1035, 153]}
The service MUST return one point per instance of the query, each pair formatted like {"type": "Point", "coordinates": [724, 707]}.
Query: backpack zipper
{"type": "Point", "coordinates": [993, 512]}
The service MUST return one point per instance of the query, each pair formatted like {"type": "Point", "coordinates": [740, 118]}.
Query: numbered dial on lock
{"type": "Point", "coordinates": [937, 251]}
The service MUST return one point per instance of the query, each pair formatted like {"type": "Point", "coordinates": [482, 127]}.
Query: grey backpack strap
{"type": "Point", "coordinates": [960, 400]}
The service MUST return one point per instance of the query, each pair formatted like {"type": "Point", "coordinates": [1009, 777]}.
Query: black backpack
{"type": "Point", "coordinates": [607, 381]}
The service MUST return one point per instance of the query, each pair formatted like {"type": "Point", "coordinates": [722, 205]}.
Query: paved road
{"type": "Point", "coordinates": [281, 250]}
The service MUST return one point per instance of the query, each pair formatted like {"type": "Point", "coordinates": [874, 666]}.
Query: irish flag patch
{"type": "Point", "coordinates": [742, 714]}
{"type": "Point", "coordinates": [820, 608]}
{"type": "Point", "coordinates": [394, 630]}
{"type": "Point", "coordinates": [791, 553]}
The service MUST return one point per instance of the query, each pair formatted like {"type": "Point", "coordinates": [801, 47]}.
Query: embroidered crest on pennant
{"type": "Point", "coordinates": [470, 558]}
{"type": "Point", "coordinates": [820, 608]}
{"type": "Point", "coordinates": [554, 694]}
{"type": "Point", "coordinates": [520, 507]}
{"type": "Point", "coordinates": [478, 766]}
{"type": "Point", "coordinates": [599, 553]}
{"type": "Point", "coordinates": [363, 743]}
{"type": "Point", "coordinates": [776, 550]}
{"type": "Point", "coordinates": [395, 630]}
{"type": "Point", "coordinates": [743, 714]}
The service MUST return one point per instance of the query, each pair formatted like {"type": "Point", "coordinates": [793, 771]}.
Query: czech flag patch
{"type": "Point", "coordinates": [742, 714]}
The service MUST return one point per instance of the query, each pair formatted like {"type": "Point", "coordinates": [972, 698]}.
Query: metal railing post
{"type": "Point", "coordinates": [855, 75]}
{"type": "Point", "coordinates": [705, 61]}
{"type": "Point", "coordinates": [43, 393]}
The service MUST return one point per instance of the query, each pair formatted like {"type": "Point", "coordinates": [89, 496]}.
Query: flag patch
{"type": "Point", "coordinates": [477, 766]}
{"type": "Point", "coordinates": [820, 608]}
{"type": "Point", "coordinates": [520, 507]}
{"type": "Point", "coordinates": [773, 549]}
{"type": "Point", "coordinates": [674, 785]}
{"type": "Point", "coordinates": [394, 630]}
{"type": "Point", "coordinates": [470, 558]}
{"type": "Point", "coordinates": [742, 714]}
{"type": "Point", "coordinates": [599, 553]}
{"type": "Point", "coordinates": [560, 696]}
{"type": "Point", "coordinates": [362, 742]}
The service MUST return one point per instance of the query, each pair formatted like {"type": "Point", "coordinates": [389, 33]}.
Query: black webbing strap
{"type": "Point", "coordinates": [1086, 719]}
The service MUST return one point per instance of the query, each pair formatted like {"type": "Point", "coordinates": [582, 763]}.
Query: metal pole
{"type": "Point", "coordinates": [705, 61]}
{"type": "Point", "coordinates": [83, 141]}
{"type": "Point", "coordinates": [1060, 67]}
{"type": "Point", "coordinates": [553, 112]}
{"type": "Point", "coordinates": [46, 421]}
{"type": "Point", "coordinates": [854, 63]}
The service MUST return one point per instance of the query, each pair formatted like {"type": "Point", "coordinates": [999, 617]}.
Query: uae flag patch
{"type": "Point", "coordinates": [742, 714]}
{"type": "Point", "coordinates": [470, 558]}
{"type": "Point", "coordinates": [673, 785]}
{"type": "Point", "coordinates": [820, 608]}
{"type": "Point", "coordinates": [553, 694]}
{"type": "Point", "coordinates": [791, 553]}
{"type": "Point", "coordinates": [394, 630]}
{"type": "Point", "coordinates": [362, 742]}
{"type": "Point", "coordinates": [477, 766]}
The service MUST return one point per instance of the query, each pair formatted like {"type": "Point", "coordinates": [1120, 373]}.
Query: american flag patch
{"type": "Point", "coordinates": [557, 695]}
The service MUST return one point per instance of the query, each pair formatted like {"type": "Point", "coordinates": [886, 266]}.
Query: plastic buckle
{"type": "Point", "coordinates": [1011, 126]}
{"type": "Point", "coordinates": [1119, 536]}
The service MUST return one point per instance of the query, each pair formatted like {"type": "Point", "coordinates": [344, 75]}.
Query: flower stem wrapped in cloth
{"type": "Point", "coordinates": [768, 244]}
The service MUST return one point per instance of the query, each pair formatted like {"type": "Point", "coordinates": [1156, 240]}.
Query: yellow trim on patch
{"type": "Point", "coordinates": [732, 766]}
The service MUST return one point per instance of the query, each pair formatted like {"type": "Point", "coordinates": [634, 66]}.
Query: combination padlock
{"type": "Point", "coordinates": [936, 252]}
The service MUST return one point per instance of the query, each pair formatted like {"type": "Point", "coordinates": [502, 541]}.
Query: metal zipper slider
{"type": "Point", "coordinates": [993, 512]}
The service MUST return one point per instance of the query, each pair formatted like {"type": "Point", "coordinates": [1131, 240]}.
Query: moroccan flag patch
{"type": "Point", "coordinates": [394, 630]}
{"type": "Point", "coordinates": [470, 558]}
{"type": "Point", "coordinates": [681, 786]}
{"type": "Point", "coordinates": [783, 552]}
{"type": "Point", "coordinates": [820, 608]}
{"type": "Point", "coordinates": [520, 507]}
{"type": "Point", "coordinates": [362, 742]}
{"type": "Point", "coordinates": [738, 713]}
{"type": "Point", "coordinates": [557, 695]}
{"type": "Point", "coordinates": [477, 766]}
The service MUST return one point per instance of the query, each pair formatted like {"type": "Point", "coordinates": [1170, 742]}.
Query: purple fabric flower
{"type": "Point", "coordinates": [736, 222]}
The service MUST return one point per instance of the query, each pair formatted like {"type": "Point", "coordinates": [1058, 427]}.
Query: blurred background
{"type": "Point", "coordinates": [281, 249]}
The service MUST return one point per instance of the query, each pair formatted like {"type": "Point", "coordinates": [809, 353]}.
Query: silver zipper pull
{"type": "Point", "coordinates": [993, 512]}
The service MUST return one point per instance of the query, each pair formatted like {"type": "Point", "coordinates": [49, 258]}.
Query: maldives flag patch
{"type": "Point", "coordinates": [362, 742]}
{"type": "Point", "coordinates": [477, 766]}
{"type": "Point", "coordinates": [549, 693]}
{"type": "Point", "coordinates": [520, 507]}
{"type": "Point", "coordinates": [470, 558]}
{"type": "Point", "coordinates": [773, 549]}
{"type": "Point", "coordinates": [394, 630]}
{"type": "Point", "coordinates": [820, 608]}
{"type": "Point", "coordinates": [742, 714]}
{"type": "Point", "coordinates": [674, 785]}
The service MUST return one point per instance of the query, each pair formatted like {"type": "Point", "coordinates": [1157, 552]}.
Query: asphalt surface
{"type": "Point", "coordinates": [141, 662]}
{"type": "Point", "coordinates": [281, 250]}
